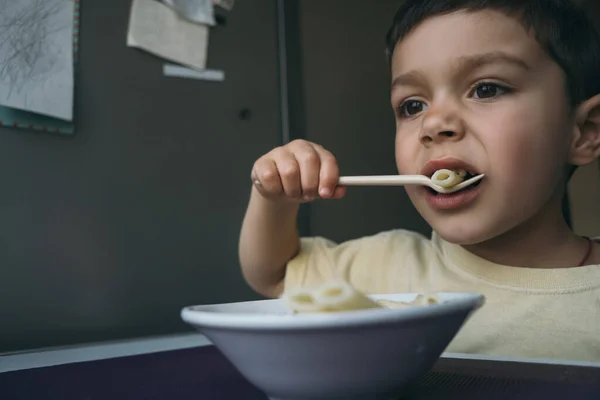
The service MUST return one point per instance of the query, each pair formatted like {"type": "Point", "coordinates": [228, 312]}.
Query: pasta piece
{"type": "Point", "coordinates": [420, 300]}
{"type": "Point", "coordinates": [302, 301]}
{"type": "Point", "coordinates": [331, 297]}
{"type": "Point", "coordinates": [393, 304]}
{"type": "Point", "coordinates": [337, 296]}
{"type": "Point", "coordinates": [426, 299]}
{"type": "Point", "coordinates": [341, 296]}
{"type": "Point", "coordinates": [447, 178]}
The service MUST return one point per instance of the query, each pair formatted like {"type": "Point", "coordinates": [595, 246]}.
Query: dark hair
{"type": "Point", "coordinates": [562, 28]}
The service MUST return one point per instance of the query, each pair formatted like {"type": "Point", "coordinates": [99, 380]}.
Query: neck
{"type": "Point", "coordinates": [544, 241]}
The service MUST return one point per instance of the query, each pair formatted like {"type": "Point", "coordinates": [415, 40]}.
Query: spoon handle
{"type": "Point", "coordinates": [383, 180]}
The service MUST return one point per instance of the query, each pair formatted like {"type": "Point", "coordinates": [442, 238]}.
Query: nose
{"type": "Point", "coordinates": [441, 123]}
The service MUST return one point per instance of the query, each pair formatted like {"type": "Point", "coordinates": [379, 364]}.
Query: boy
{"type": "Point", "coordinates": [505, 88]}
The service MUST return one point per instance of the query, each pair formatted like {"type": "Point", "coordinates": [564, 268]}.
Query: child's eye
{"type": "Point", "coordinates": [411, 107]}
{"type": "Point", "coordinates": [488, 90]}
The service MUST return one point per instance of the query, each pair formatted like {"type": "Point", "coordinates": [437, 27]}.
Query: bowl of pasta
{"type": "Point", "coordinates": [334, 342]}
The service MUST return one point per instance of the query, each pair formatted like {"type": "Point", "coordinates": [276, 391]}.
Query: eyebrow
{"type": "Point", "coordinates": [463, 64]}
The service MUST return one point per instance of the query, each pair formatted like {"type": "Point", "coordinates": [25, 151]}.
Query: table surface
{"type": "Point", "coordinates": [204, 373]}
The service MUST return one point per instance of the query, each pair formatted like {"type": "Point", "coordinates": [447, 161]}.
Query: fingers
{"type": "Point", "coordinates": [309, 162]}
{"type": "Point", "coordinates": [329, 173]}
{"type": "Point", "coordinates": [339, 192]}
{"type": "Point", "coordinates": [299, 171]}
{"type": "Point", "coordinates": [289, 173]}
{"type": "Point", "coordinates": [266, 177]}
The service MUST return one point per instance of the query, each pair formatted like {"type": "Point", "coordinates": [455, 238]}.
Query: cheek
{"type": "Point", "coordinates": [405, 154]}
{"type": "Point", "coordinates": [526, 148]}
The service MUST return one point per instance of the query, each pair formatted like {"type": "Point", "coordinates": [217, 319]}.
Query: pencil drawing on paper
{"type": "Point", "coordinates": [36, 61]}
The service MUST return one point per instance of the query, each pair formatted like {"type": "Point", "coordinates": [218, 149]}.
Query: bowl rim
{"type": "Point", "coordinates": [199, 316]}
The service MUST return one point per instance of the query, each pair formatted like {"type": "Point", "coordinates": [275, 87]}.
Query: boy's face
{"type": "Point", "coordinates": [477, 88]}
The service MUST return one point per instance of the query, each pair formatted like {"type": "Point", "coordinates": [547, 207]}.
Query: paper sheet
{"type": "Point", "coordinates": [225, 4]}
{"type": "Point", "coordinates": [158, 29]}
{"type": "Point", "coordinates": [200, 11]}
{"type": "Point", "coordinates": [36, 56]}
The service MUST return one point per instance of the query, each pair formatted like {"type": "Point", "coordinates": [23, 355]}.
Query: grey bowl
{"type": "Point", "coordinates": [357, 355]}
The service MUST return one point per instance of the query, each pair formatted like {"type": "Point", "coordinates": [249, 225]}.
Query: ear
{"type": "Point", "coordinates": [585, 147]}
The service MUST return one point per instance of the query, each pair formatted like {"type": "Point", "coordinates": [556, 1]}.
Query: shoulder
{"type": "Point", "coordinates": [368, 262]}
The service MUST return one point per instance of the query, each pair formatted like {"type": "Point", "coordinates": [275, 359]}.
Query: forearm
{"type": "Point", "coordinates": [268, 240]}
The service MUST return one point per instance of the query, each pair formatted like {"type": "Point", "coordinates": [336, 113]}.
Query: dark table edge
{"type": "Point", "coordinates": [573, 372]}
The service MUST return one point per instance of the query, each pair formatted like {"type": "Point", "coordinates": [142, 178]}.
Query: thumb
{"type": "Point", "coordinates": [339, 192]}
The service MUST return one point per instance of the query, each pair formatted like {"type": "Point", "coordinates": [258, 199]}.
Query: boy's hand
{"type": "Point", "coordinates": [300, 171]}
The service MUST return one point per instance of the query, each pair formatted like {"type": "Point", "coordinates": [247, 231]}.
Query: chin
{"type": "Point", "coordinates": [466, 227]}
{"type": "Point", "coordinates": [462, 229]}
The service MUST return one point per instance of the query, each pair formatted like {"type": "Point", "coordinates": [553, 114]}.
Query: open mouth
{"type": "Point", "coordinates": [466, 175]}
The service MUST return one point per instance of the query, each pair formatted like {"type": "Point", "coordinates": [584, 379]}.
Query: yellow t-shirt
{"type": "Point", "coordinates": [539, 313]}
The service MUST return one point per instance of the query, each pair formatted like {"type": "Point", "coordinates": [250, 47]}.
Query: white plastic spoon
{"type": "Point", "coordinates": [402, 180]}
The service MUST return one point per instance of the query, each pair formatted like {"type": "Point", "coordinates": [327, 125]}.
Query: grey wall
{"type": "Point", "coordinates": [109, 234]}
